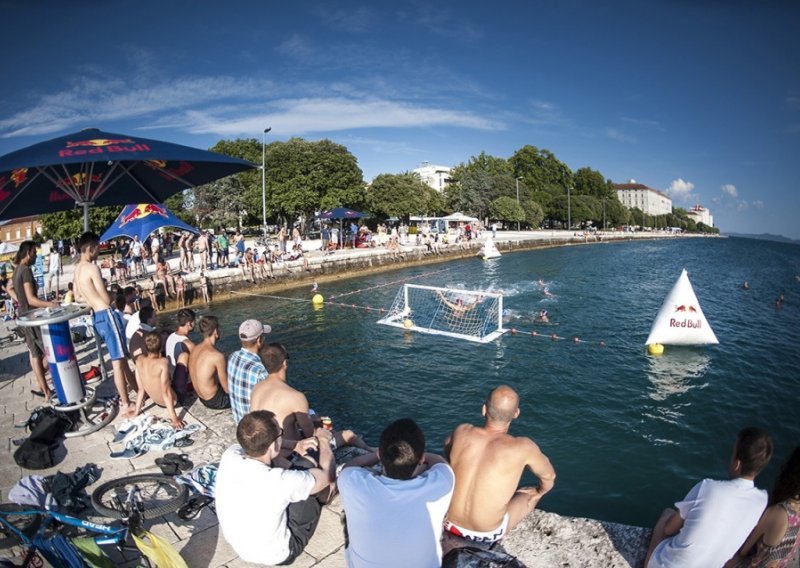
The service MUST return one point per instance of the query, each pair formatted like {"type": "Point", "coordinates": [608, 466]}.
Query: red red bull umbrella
{"type": "Point", "coordinates": [141, 220]}
{"type": "Point", "coordinates": [92, 167]}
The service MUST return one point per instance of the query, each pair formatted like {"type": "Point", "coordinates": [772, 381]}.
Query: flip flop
{"type": "Point", "coordinates": [183, 442]}
{"type": "Point", "coordinates": [168, 467]}
{"type": "Point", "coordinates": [181, 460]}
{"type": "Point", "coordinates": [37, 393]}
{"type": "Point", "coordinates": [127, 453]}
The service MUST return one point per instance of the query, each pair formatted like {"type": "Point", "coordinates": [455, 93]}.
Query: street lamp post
{"type": "Point", "coordinates": [604, 214]}
{"type": "Point", "coordinates": [517, 180]}
{"type": "Point", "coordinates": [264, 180]}
{"type": "Point", "coordinates": [569, 211]}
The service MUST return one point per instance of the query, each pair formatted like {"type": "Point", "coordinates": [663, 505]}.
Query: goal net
{"type": "Point", "coordinates": [465, 314]}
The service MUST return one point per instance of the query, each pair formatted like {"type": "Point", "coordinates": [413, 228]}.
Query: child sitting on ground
{"type": "Point", "coordinates": [153, 379]}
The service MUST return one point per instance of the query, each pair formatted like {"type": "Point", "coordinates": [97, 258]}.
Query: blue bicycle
{"type": "Point", "coordinates": [29, 535]}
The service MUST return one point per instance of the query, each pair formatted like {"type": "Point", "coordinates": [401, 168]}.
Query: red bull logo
{"type": "Point", "coordinates": [180, 170]}
{"type": "Point", "coordinates": [143, 210]}
{"type": "Point", "coordinates": [686, 309]}
{"type": "Point", "coordinates": [19, 176]}
{"type": "Point", "coordinates": [102, 146]}
{"type": "Point", "coordinates": [98, 142]}
{"type": "Point", "coordinates": [79, 180]}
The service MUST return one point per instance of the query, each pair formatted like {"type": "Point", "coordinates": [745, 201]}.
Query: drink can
{"type": "Point", "coordinates": [327, 423]}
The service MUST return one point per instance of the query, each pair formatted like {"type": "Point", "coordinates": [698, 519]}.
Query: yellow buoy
{"type": "Point", "coordinates": [655, 349]}
{"type": "Point", "coordinates": [317, 299]}
{"type": "Point", "coordinates": [408, 323]}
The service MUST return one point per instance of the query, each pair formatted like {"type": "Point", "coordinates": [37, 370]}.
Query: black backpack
{"type": "Point", "coordinates": [471, 557]}
{"type": "Point", "coordinates": [47, 430]}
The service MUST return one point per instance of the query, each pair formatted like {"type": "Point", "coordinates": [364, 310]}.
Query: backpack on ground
{"type": "Point", "coordinates": [47, 428]}
{"type": "Point", "coordinates": [471, 557]}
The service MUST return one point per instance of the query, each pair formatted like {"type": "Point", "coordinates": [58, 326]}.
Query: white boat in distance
{"type": "Point", "coordinates": [489, 249]}
{"type": "Point", "coordinates": [681, 321]}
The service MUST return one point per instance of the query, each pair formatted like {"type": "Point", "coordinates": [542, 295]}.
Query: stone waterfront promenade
{"type": "Point", "coordinates": [543, 539]}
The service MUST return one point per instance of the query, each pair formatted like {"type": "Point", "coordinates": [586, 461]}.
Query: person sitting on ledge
{"type": "Point", "coordinates": [153, 380]}
{"type": "Point", "coordinates": [290, 405]}
{"type": "Point", "coordinates": [395, 519]}
{"type": "Point", "coordinates": [488, 463]}
{"type": "Point", "coordinates": [266, 513]}
{"type": "Point", "coordinates": [775, 541]}
{"type": "Point", "coordinates": [715, 517]}
{"type": "Point", "coordinates": [207, 367]}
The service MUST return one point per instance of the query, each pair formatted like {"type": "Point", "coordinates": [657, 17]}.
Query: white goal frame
{"type": "Point", "coordinates": [446, 316]}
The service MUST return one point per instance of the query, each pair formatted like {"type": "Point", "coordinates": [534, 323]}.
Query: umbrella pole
{"type": "Point", "coordinates": [85, 217]}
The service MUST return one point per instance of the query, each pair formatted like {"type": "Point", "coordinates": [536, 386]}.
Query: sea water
{"type": "Point", "coordinates": [627, 433]}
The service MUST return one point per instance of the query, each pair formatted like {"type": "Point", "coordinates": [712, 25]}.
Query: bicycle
{"type": "Point", "coordinates": [32, 535]}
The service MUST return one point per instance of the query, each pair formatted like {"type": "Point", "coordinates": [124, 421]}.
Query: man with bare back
{"type": "Point", "coordinates": [488, 463]}
{"type": "Point", "coordinates": [152, 374]}
{"type": "Point", "coordinates": [289, 405]}
{"type": "Point", "coordinates": [89, 289]}
{"type": "Point", "coordinates": [207, 367]}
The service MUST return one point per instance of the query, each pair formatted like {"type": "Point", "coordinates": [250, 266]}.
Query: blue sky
{"type": "Point", "coordinates": [700, 99]}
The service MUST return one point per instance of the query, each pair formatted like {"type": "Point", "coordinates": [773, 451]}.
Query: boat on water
{"type": "Point", "coordinates": [680, 321]}
{"type": "Point", "coordinates": [489, 249]}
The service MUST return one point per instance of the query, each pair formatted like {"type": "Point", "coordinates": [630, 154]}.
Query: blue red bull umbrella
{"type": "Point", "coordinates": [141, 220]}
{"type": "Point", "coordinates": [92, 167]}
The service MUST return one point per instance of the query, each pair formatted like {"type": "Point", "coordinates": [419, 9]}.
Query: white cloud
{"type": "Point", "coordinates": [301, 116]}
{"type": "Point", "coordinates": [730, 189]}
{"type": "Point", "coordinates": [615, 134]}
{"type": "Point", "coordinates": [296, 47]}
{"type": "Point", "coordinates": [742, 205]}
{"type": "Point", "coordinates": [681, 190]}
{"type": "Point", "coordinates": [758, 204]}
{"type": "Point", "coordinates": [643, 122]}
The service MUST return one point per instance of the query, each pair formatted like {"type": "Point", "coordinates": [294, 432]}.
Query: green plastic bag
{"type": "Point", "coordinates": [158, 550]}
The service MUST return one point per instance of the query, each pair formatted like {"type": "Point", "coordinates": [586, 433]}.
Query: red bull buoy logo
{"type": "Point", "coordinates": [688, 323]}
{"type": "Point", "coordinates": [141, 211]}
{"type": "Point", "coordinates": [19, 176]}
{"type": "Point", "coordinates": [102, 146]}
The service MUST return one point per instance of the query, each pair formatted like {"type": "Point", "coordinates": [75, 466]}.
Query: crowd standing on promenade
{"type": "Point", "coordinates": [404, 506]}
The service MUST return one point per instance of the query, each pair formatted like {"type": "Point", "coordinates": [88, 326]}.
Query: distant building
{"type": "Point", "coordinates": [702, 215]}
{"type": "Point", "coordinates": [649, 200]}
{"type": "Point", "coordinates": [18, 230]}
{"type": "Point", "coordinates": [434, 176]}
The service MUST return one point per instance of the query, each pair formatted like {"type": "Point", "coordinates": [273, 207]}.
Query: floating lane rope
{"type": "Point", "coordinates": [513, 331]}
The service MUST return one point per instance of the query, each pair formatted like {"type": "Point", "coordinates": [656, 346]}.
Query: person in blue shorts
{"type": "Point", "coordinates": [89, 288]}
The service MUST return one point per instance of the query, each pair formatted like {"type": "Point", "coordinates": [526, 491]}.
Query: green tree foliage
{"type": "Point", "coordinates": [534, 213]}
{"type": "Point", "coordinates": [69, 224]}
{"type": "Point", "coordinates": [541, 170]}
{"type": "Point", "coordinates": [402, 195]}
{"type": "Point", "coordinates": [506, 209]}
{"type": "Point", "coordinates": [591, 182]}
{"type": "Point", "coordinates": [307, 176]}
{"type": "Point", "coordinates": [249, 182]}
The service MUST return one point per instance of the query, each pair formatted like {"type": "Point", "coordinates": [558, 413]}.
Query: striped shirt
{"type": "Point", "coordinates": [245, 369]}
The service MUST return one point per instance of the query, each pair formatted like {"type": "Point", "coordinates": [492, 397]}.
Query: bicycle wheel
{"type": "Point", "coordinates": [152, 495]}
{"type": "Point", "coordinates": [12, 543]}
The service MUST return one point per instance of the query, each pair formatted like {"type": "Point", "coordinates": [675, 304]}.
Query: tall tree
{"type": "Point", "coordinates": [591, 182]}
{"type": "Point", "coordinates": [541, 170]}
{"type": "Point", "coordinates": [506, 209]}
{"type": "Point", "coordinates": [402, 195]}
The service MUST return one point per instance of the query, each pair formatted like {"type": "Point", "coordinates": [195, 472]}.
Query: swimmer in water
{"type": "Point", "coordinates": [547, 292]}
{"type": "Point", "coordinates": [542, 317]}
{"type": "Point", "coordinates": [746, 286]}
{"type": "Point", "coordinates": [540, 282]}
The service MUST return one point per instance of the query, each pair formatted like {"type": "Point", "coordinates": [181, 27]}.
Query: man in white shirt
{"type": "Point", "coordinates": [54, 271]}
{"type": "Point", "coordinates": [266, 513]}
{"type": "Point", "coordinates": [715, 518]}
{"type": "Point", "coordinates": [407, 503]}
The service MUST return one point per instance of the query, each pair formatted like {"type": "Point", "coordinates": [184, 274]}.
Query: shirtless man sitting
{"type": "Point", "coordinates": [208, 368]}
{"type": "Point", "coordinates": [89, 288]}
{"type": "Point", "coordinates": [152, 376]}
{"type": "Point", "coordinates": [289, 405]}
{"type": "Point", "coordinates": [488, 463]}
